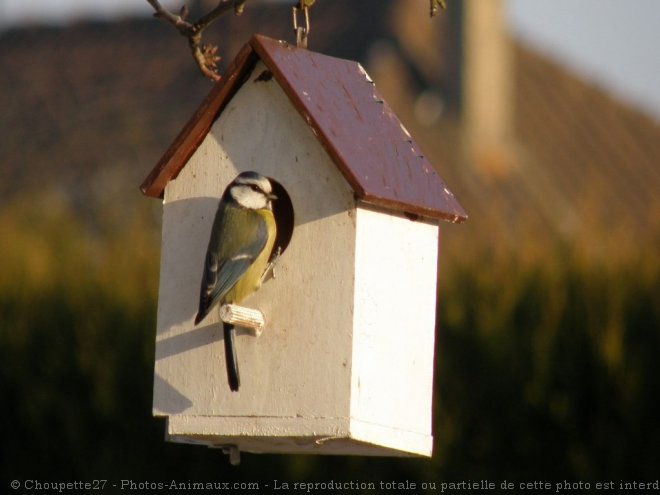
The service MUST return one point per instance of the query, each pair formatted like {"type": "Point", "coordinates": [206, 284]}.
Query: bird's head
{"type": "Point", "coordinates": [252, 191]}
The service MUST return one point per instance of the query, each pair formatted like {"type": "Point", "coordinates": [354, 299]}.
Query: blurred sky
{"type": "Point", "coordinates": [611, 42]}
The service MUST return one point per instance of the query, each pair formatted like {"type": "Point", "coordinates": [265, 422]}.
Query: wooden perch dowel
{"type": "Point", "coordinates": [240, 316]}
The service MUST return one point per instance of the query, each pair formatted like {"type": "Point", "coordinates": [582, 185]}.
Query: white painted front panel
{"type": "Point", "coordinates": [300, 366]}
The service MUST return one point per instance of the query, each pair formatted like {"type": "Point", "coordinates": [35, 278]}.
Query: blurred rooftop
{"type": "Point", "coordinates": [527, 147]}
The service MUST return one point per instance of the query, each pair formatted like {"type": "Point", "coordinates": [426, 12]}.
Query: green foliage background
{"type": "Point", "coordinates": [545, 362]}
{"type": "Point", "coordinates": [546, 349]}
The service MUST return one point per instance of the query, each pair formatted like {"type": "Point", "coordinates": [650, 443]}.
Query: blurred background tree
{"type": "Point", "coordinates": [548, 312]}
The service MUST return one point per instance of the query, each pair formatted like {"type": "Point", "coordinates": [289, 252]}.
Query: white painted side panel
{"type": "Point", "coordinates": [394, 325]}
{"type": "Point", "coordinates": [300, 366]}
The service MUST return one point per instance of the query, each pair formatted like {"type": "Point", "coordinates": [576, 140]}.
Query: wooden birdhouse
{"type": "Point", "coordinates": [344, 364]}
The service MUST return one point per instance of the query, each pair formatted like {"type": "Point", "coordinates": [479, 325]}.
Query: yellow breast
{"type": "Point", "coordinates": [251, 279]}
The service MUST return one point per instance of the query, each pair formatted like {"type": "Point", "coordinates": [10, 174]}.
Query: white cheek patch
{"type": "Point", "coordinates": [248, 198]}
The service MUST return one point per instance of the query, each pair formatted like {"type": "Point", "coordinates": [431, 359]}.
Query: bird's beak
{"type": "Point", "coordinates": [271, 197]}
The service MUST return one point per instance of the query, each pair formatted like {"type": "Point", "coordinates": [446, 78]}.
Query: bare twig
{"type": "Point", "coordinates": [205, 55]}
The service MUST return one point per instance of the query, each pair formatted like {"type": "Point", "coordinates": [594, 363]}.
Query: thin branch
{"type": "Point", "coordinates": [205, 55]}
{"type": "Point", "coordinates": [222, 7]}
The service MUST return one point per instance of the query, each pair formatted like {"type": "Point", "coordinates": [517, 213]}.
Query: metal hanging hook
{"type": "Point", "coordinates": [302, 32]}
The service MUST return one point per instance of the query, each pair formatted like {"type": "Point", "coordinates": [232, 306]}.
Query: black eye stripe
{"type": "Point", "coordinates": [256, 187]}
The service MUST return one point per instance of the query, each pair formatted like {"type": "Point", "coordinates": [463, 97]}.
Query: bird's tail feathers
{"type": "Point", "coordinates": [231, 358]}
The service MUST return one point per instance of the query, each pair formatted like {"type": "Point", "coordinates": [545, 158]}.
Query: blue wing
{"type": "Point", "coordinates": [230, 253]}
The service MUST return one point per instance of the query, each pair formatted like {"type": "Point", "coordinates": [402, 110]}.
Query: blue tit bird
{"type": "Point", "coordinates": [241, 243]}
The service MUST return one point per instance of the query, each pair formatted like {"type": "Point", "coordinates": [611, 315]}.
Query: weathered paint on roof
{"type": "Point", "coordinates": [336, 97]}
